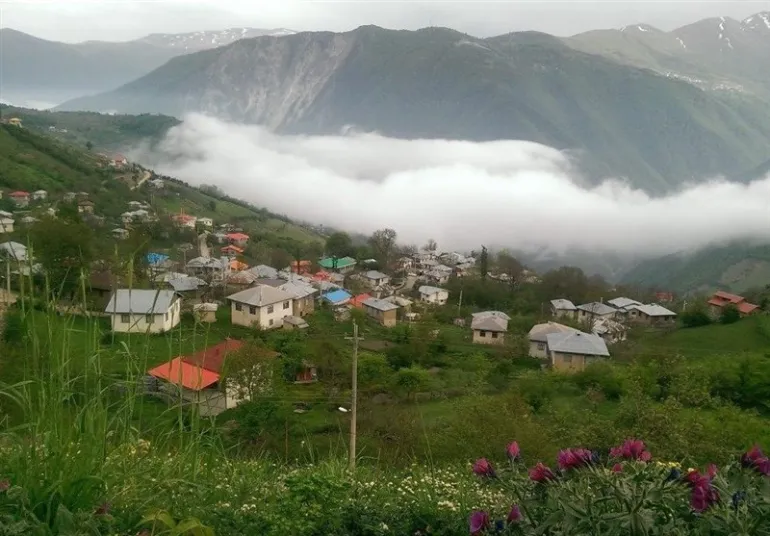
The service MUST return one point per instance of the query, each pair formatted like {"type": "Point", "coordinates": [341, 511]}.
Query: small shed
{"type": "Point", "coordinates": [205, 312]}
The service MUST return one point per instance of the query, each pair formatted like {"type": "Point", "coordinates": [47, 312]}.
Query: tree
{"type": "Point", "coordinates": [213, 206]}
{"type": "Point", "coordinates": [339, 244]}
{"type": "Point", "coordinates": [89, 145]}
{"type": "Point", "coordinates": [250, 371]}
{"type": "Point", "coordinates": [383, 241]}
{"type": "Point", "coordinates": [508, 264]}
{"type": "Point", "coordinates": [730, 314]}
{"type": "Point", "coordinates": [430, 246]}
{"type": "Point", "coordinates": [412, 380]}
{"type": "Point", "coordinates": [65, 251]}
{"type": "Point", "coordinates": [484, 262]}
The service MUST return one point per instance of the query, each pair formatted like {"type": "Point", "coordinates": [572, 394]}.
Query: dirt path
{"type": "Point", "coordinates": [141, 181]}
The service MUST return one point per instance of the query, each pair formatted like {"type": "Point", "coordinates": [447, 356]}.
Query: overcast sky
{"type": "Point", "coordinates": [114, 20]}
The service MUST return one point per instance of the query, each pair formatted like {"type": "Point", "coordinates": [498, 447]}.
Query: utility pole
{"type": "Point", "coordinates": [460, 303]}
{"type": "Point", "coordinates": [354, 403]}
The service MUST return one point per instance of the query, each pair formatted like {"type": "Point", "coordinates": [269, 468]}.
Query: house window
{"type": "Point", "coordinates": [540, 346]}
{"type": "Point", "coordinates": [286, 305]}
{"type": "Point", "coordinates": [252, 310]}
{"type": "Point", "coordinates": [482, 333]}
{"type": "Point", "coordinates": [567, 359]}
{"type": "Point", "coordinates": [271, 322]}
{"type": "Point", "coordinates": [150, 319]}
{"type": "Point", "coordinates": [494, 334]}
{"type": "Point", "coordinates": [237, 306]}
{"type": "Point", "coordinates": [125, 319]}
{"type": "Point", "coordinates": [166, 317]}
{"type": "Point", "coordinates": [269, 309]}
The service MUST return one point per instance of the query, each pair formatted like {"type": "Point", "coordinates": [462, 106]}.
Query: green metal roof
{"type": "Point", "coordinates": [343, 262]}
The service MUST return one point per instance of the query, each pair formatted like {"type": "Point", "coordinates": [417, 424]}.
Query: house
{"type": "Point", "coordinates": [538, 337]}
{"type": "Point", "coordinates": [591, 312]}
{"type": "Point", "coordinates": [262, 306]}
{"type": "Point", "coordinates": [157, 183]}
{"type": "Point", "coordinates": [358, 301]}
{"type": "Point", "coordinates": [403, 303]}
{"type": "Point", "coordinates": [118, 161]}
{"type": "Point", "coordinates": [119, 234]}
{"type": "Point", "coordinates": [622, 303]}
{"type": "Point", "coordinates": [29, 220]}
{"type": "Point", "coordinates": [243, 278]}
{"type": "Point", "coordinates": [14, 251]}
{"type": "Point", "coordinates": [382, 311]}
{"type": "Point", "coordinates": [186, 286]}
{"type": "Point", "coordinates": [20, 198]}
{"type": "Point", "coordinates": [208, 267]}
{"type": "Point", "coordinates": [609, 330]}
{"type": "Point", "coordinates": [238, 239]}
{"type": "Point", "coordinates": [562, 308]}
{"type": "Point", "coordinates": [134, 205]}
{"type": "Point", "coordinates": [301, 267]}
{"type": "Point", "coordinates": [374, 279]}
{"type": "Point", "coordinates": [489, 327]}
{"type": "Point", "coordinates": [157, 261]}
{"type": "Point", "coordinates": [664, 297]}
{"type": "Point", "coordinates": [437, 277]}
{"type": "Point", "coordinates": [143, 311]}
{"type": "Point", "coordinates": [337, 297]}
{"type": "Point", "coordinates": [433, 295]}
{"type": "Point", "coordinates": [184, 220]}
{"type": "Point", "coordinates": [342, 265]}
{"type": "Point", "coordinates": [6, 222]}
{"type": "Point", "coordinates": [39, 195]}
{"type": "Point", "coordinates": [101, 283]}
{"type": "Point", "coordinates": [205, 312]}
{"type": "Point", "coordinates": [69, 197]}
{"type": "Point", "coordinates": [208, 223]}
{"type": "Point", "coordinates": [306, 374]}
{"type": "Point", "coordinates": [652, 314]}
{"type": "Point", "coordinates": [269, 281]}
{"type": "Point", "coordinates": [86, 207]}
{"type": "Point", "coordinates": [295, 322]}
{"type": "Point", "coordinates": [303, 301]}
{"type": "Point", "coordinates": [721, 299]}
{"type": "Point", "coordinates": [575, 351]}
{"type": "Point", "coordinates": [15, 121]}
{"type": "Point", "coordinates": [231, 250]}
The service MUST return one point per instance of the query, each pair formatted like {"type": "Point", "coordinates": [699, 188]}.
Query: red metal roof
{"type": "Point", "coordinates": [358, 301]}
{"type": "Point", "coordinates": [232, 248]}
{"type": "Point", "coordinates": [188, 376]}
{"type": "Point", "coordinates": [20, 193]}
{"type": "Point", "coordinates": [237, 236]}
{"type": "Point", "coordinates": [747, 308]}
{"type": "Point", "coordinates": [732, 298]}
{"type": "Point", "coordinates": [213, 357]}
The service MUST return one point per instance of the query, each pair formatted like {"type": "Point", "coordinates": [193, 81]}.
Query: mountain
{"type": "Point", "coordinates": [438, 83]}
{"type": "Point", "coordinates": [737, 267]}
{"type": "Point", "coordinates": [42, 72]}
{"type": "Point", "coordinates": [195, 41]}
{"type": "Point", "coordinates": [718, 54]}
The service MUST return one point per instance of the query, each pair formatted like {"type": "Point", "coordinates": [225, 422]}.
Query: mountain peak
{"type": "Point", "coordinates": [202, 40]}
{"type": "Point", "coordinates": [640, 28]}
{"type": "Point", "coordinates": [758, 21]}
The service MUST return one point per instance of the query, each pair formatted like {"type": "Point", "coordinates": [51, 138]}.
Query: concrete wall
{"type": "Point", "coordinates": [304, 306]}
{"type": "Point", "coordinates": [538, 349]}
{"type": "Point", "coordinates": [440, 298]}
{"type": "Point", "coordinates": [266, 317]}
{"type": "Point", "coordinates": [136, 323]}
{"type": "Point", "coordinates": [488, 337]}
{"type": "Point", "coordinates": [572, 362]}
{"type": "Point", "coordinates": [386, 318]}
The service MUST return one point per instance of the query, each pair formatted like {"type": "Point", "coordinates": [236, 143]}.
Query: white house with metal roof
{"type": "Point", "coordinates": [574, 351]}
{"type": "Point", "coordinates": [144, 311]}
{"type": "Point", "coordinates": [652, 314]}
{"type": "Point", "coordinates": [489, 327]}
{"type": "Point", "coordinates": [538, 337]}
{"type": "Point", "coordinates": [433, 295]}
{"type": "Point", "coordinates": [622, 302]}
{"type": "Point", "coordinates": [374, 278]}
{"type": "Point", "coordinates": [561, 308]}
{"type": "Point", "coordinates": [261, 306]}
{"type": "Point", "coordinates": [382, 311]}
{"type": "Point", "coordinates": [594, 311]}
{"type": "Point", "coordinates": [6, 222]}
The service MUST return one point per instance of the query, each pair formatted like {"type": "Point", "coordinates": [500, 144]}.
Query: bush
{"type": "Point", "coordinates": [730, 314]}
{"type": "Point", "coordinates": [601, 376]}
{"type": "Point", "coordinates": [695, 318]}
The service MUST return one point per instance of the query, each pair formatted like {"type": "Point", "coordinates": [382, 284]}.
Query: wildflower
{"type": "Point", "coordinates": [541, 474]}
{"type": "Point", "coordinates": [755, 459]}
{"type": "Point", "coordinates": [704, 494]}
{"type": "Point", "coordinates": [674, 475]}
{"type": "Point", "coordinates": [574, 458]}
{"type": "Point", "coordinates": [514, 516]}
{"type": "Point", "coordinates": [5, 485]}
{"type": "Point", "coordinates": [513, 451]}
{"type": "Point", "coordinates": [631, 449]}
{"type": "Point", "coordinates": [479, 522]}
{"type": "Point", "coordinates": [103, 509]}
{"type": "Point", "coordinates": [482, 467]}
{"type": "Point", "coordinates": [738, 498]}
{"type": "Point", "coordinates": [617, 468]}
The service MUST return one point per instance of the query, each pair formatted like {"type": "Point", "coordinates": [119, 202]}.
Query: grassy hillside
{"type": "Point", "coordinates": [617, 119]}
{"type": "Point", "coordinates": [104, 132]}
{"type": "Point", "coordinates": [738, 267]}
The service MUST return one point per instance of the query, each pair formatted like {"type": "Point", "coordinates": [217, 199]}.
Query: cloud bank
{"type": "Point", "coordinates": [463, 194]}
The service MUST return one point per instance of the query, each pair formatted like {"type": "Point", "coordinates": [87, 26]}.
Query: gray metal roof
{"type": "Point", "coordinates": [205, 262]}
{"type": "Point", "coordinates": [141, 301]}
{"type": "Point", "coordinates": [260, 296]}
{"type": "Point", "coordinates": [597, 308]}
{"type": "Point", "coordinates": [298, 290]}
{"type": "Point", "coordinates": [622, 302]}
{"type": "Point", "coordinates": [263, 270]}
{"type": "Point", "coordinates": [380, 305]}
{"type": "Point", "coordinates": [490, 321]}
{"type": "Point", "coordinates": [374, 274]}
{"type": "Point", "coordinates": [270, 282]}
{"type": "Point", "coordinates": [14, 250]}
{"type": "Point", "coordinates": [426, 289]}
{"type": "Point", "coordinates": [577, 343]}
{"type": "Point", "coordinates": [540, 332]}
{"type": "Point", "coordinates": [186, 284]}
{"type": "Point", "coordinates": [563, 305]}
{"type": "Point", "coordinates": [654, 309]}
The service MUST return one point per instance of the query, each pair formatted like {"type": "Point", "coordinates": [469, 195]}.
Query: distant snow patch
{"type": "Point", "coordinates": [681, 43]}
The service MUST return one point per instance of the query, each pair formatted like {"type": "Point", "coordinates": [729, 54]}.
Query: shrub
{"type": "Point", "coordinates": [730, 314]}
{"type": "Point", "coordinates": [695, 318]}
{"type": "Point", "coordinates": [601, 376]}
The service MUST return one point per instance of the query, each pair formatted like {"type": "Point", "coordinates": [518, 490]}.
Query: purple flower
{"type": "Point", "coordinates": [482, 467]}
{"type": "Point", "coordinates": [704, 494]}
{"type": "Point", "coordinates": [479, 522]}
{"type": "Point", "coordinates": [631, 449]}
{"type": "Point", "coordinates": [541, 474]}
{"type": "Point", "coordinates": [513, 451]}
{"type": "Point", "coordinates": [617, 468]}
{"type": "Point", "coordinates": [752, 457]}
{"type": "Point", "coordinates": [514, 516]}
{"type": "Point", "coordinates": [574, 458]}
{"type": "Point", "coordinates": [5, 485]}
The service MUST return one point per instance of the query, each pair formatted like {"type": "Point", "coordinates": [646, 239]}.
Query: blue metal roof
{"type": "Point", "coordinates": [337, 296]}
{"type": "Point", "coordinates": [156, 258]}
